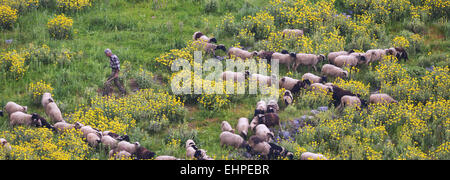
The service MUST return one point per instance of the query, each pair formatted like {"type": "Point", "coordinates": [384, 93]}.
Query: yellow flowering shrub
{"type": "Point", "coordinates": [60, 27]}
{"type": "Point", "coordinates": [262, 24]}
{"type": "Point", "coordinates": [356, 87]}
{"type": "Point", "coordinates": [13, 63]}
{"type": "Point", "coordinates": [73, 5]}
{"type": "Point", "coordinates": [21, 5]}
{"type": "Point", "coordinates": [43, 144]}
{"type": "Point", "coordinates": [400, 41]}
{"type": "Point", "coordinates": [37, 89]}
{"type": "Point", "coordinates": [8, 16]}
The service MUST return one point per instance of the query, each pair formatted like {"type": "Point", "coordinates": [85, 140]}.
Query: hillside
{"type": "Point", "coordinates": [147, 35]}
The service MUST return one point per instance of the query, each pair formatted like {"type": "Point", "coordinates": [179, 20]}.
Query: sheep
{"type": "Point", "coordinates": [122, 155]}
{"type": "Point", "coordinates": [262, 148]}
{"type": "Point", "coordinates": [293, 85]}
{"type": "Point", "coordinates": [190, 143]}
{"type": "Point", "coordinates": [255, 121]}
{"type": "Point", "coordinates": [313, 78]}
{"type": "Point", "coordinates": [64, 126]}
{"type": "Point", "coordinates": [240, 53]}
{"type": "Point", "coordinates": [267, 55]}
{"type": "Point", "coordinates": [45, 99]}
{"type": "Point", "coordinates": [292, 33]}
{"type": "Point", "coordinates": [264, 133]}
{"type": "Point", "coordinates": [261, 108]}
{"type": "Point", "coordinates": [226, 127]}
{"type": "Point", "coordinates": [334, 71]}
{"type": "Point", "coordinates": [319, 87]}
{"type": "Point", "coordinates": [211, 48]}
{"type": "Point", "coordinates": [12, 107]}
{"type": "Point", "coordinates": [338, 93]}
{"type": "Point", "coordinates": [272, 106]}
{"type": "Point", "coordinates": [202, 37]}
{"type": "Point", "coordinates": [271, 120]}
{"type": "Point", "coordinates": [349, 60]}
{"type": "Point", "coordinates": [350, 101]}
{"type": "Point", "coordinates": [262, 79]}
{"type": "Point", "coordinates": [88, 129]}
{"type": "Point", "coordinates": [288, 98]}
{"type": "Point", "coordinates": [308, 60]}
{"type": "Point", "coordinates": [20, 118]}
{"type": "Point", "coordinates": [333, 55]}
{"type": "Point", "coordinates": [93, 139]}
{"type": "Point", "coordinates": [382, 99]}
{"type": "Point", "coordinates": [312, 156]}
{"type": "Point", "coordinates": [201, 155]}
{"type": "Point", "coordinates": [128, 147]}
{"type": "Point", "coordinates": [5, 145]}
{"type": "Point", "coordinates": [166, 158]}
{"type": "Point", "coordinates": [233, 140]}
{"type": "Point", "coordinates": [242, 127]}
{"type": "Point", "coordinates": [53, 112]}
{"type": "Point", "coordinates": [401, 53]}
{"type": "Point", "coordinates": [116, 136]}
{"type": "Point", "coordinates": [288, 59]}
{"type": "Point", "coordinates": [277, 151]}
{"type": "Point", "coordinates": [374, 55]}
{"type": "Point", "coordinates": [144, 153]}
{"type": "Point", "coordinates": [109, 142]}
{"type": "Point", "coordinates": [235, 76]}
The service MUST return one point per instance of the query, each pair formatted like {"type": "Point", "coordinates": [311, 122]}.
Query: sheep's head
{"type": "Point", "coordinates": [287, 93]}
{"type": "Point", "coordinates": [289, 155]}
{"type": "Point", "coordinates": [345, 74]}
{"type": "Point", "coordinates": [255, 53]}
{"type": "Point", "coordinates": [124, 138]}
{"type": "Point", "coordinates": [284, 52]}
{"type": "Point", "coordinates": [323, 79]}
{"type": "Point", "coordinates": [351, 51]}
{"type": "Point", "coordinates": [36, 120]}
{"type": "Point", "coordinates": [322, 57]}
{"type": "Point", "coordinates": [137, 144]}
{"type": "Point", "coordinates": [25, 109]}
{"type": "Point", "coordinates": [213, 40]}
{"type": "Point", "coordinates": [3, 142]}
{"type": "Point", "coordinates": [221, 47]}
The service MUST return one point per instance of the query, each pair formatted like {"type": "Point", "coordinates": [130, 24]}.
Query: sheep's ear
{"type": "Point", "coordinates": [25, 108]}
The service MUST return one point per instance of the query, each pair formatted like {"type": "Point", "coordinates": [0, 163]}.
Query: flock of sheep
{"type": "Point", "coordinates": [265, 117]}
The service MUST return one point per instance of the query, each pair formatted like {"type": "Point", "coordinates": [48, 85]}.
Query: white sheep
{"type": "Point", "coordinates": [333, 55]}
{"type": "Point", "coordinates": [12, 107]}
{"type": "Point", "coordinates": [128, 147]}
{"type": "Point", "coordinates": [272, 106]}
{"type": "Point", "coordinates": [381, 99]}
{"type": "Point", "coordinates": [242, 127]}
{"type": "Point", "coordinates": [293, 85]}
{"type": "Point", "coordinates": [314, 78]}
{"type": "Point", "coordinates": [122, 155]}
{"type": "Point", "coordinates": [233, 140]}
{"type": "Point", "coordinates": [319, 87]}
{"type": "Point", "coordinates": [334, 71]}
{"type": "Point", "coordinates": [53, 112]}
{"type": "Point", "coordinates": [261, 108]}
{"type": "Point", "coordinates": [5, 145]}
{"type": "Point", "coordinates": [255, 122]}
{"type": "Point", "coordinates": [292, 33]}
{"type": "Point", "coordinates": [88, 129]}
{"type": "Point", "coordinates": [235, 76]}
{"type": "Point", "coordinates": [202, 37]}
{"type": "Point", "coordinates": [350, 101]}
{"type": "Point", "coordinates": [94, 139]}
{"type": "Point", "coordinates": [226, 127]}
{"type": "Point", "coordinates": [264, 133]}
{"type": "Point", "coordinates": [109, 142]}
{"type": "Point", "coordinates": [240, 53]}
{"type": "Point", "coordinates": [349, 60]}
{"type": "Point", "coordinates": [64, 126]}
{"type": "Point", "coordinates": [20, 118]}
{"type": "Point", "coordinates": [307, 60]}
{"type": "Point", "coordinates": [288, 98]}
{"type": "Point", "coordinates": [46, 97]}
{"type": "Point", "coordinates": [190, 143]}
{"type": "Point", "coordinates": [374, 55]}
{"type": "Point", "coordinates": [263, 80]}
{"type": "Point", "coordinates": [287, 59]}
{"type": "Point", "coordinates": [210, 48]}
{"type": "Point", "coordinates": [312, 156]}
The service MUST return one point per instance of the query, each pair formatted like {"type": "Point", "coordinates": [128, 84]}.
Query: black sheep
{"type": "Point", "coordinates": [338, 93]}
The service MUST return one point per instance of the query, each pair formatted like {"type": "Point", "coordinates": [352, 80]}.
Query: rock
{"type": "Point", "coordinates": [315, 112]}
{"type": "Point", "coordinates": [323, 108]}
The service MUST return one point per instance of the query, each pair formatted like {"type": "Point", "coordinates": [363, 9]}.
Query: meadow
{"type": "Point", "coordinates": [57, 46]}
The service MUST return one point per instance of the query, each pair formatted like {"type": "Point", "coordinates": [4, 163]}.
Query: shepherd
{"type": "Point", "coordinates": [115, 66]}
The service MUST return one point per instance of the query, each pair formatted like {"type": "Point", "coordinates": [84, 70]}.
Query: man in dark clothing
{"type": "Point", "coordinates": [115, 66]}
